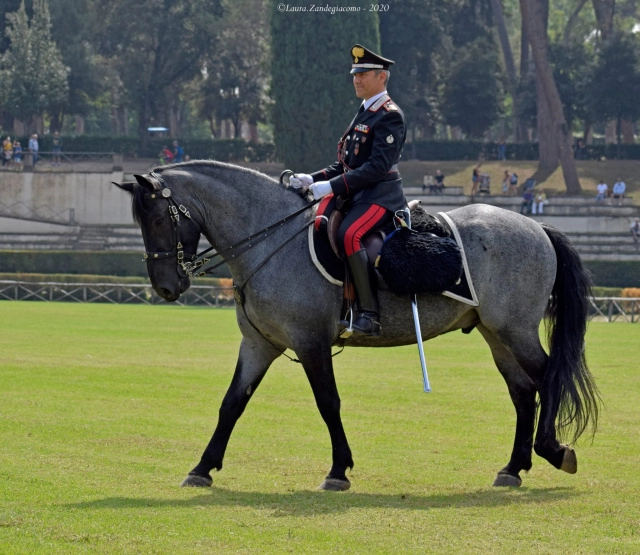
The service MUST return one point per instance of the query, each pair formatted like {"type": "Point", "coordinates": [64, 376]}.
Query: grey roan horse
{"type": "Point", "coordinates": [521, 270]}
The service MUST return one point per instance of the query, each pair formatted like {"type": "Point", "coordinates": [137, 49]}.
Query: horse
{"type": "Point", "coordinates": [523, 272]}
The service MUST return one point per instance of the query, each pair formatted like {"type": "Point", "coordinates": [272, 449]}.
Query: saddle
{"type": "Point", "coordinates": [422, 260]}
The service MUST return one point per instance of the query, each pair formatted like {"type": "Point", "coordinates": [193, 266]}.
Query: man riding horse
{"type": "Point", "coordinates": [364, 183]}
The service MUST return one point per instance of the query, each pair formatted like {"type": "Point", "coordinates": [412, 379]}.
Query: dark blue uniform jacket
{"type": "Point", "coordinates": [368, 154]}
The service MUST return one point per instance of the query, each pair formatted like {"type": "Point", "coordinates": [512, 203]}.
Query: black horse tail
{"type": "Point", "coordinates": [568, 383]}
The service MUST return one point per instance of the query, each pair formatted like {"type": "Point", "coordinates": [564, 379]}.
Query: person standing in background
{"type": "Point", "coordinates": [178, 153]}
{"type": "Point", "coordinates": [34, 147]}
{"type": "Point", "coordinates": [56, 148]}
{"type": "Point", "coordinates": [7, 152]}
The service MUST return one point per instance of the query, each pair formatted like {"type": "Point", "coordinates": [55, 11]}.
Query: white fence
{"type": "Point", "coordinates": [613, 309]}
{"type": "Point", "coordinates": [607, 309]}
{"type": "Point", "coordinates": [116, 293]}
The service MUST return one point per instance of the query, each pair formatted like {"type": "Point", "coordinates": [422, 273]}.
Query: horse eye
{"type": "Point", "coordinates": [157, 222]}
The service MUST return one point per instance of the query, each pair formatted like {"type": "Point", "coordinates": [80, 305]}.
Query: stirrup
{"type": "Point", "coordinates": [345, 327]}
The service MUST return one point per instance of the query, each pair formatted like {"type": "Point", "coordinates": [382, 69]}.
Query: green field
{"type": "Point", "coordinates": [105, 408]}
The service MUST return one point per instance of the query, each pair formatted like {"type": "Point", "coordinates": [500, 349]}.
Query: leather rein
{"type": "Point", "coordinates": [205, 262]}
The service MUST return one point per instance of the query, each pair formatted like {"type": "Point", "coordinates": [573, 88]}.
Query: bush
{"type": "Point", "coordinates": [102, 263]}
{"type": "Point", "coordinates": [224, 150]}
{"type": "Point", "coordinates": [432, 150]}
{"type": "Point", "coordinates": [614, 273]}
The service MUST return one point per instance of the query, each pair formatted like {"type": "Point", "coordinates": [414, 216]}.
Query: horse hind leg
{"type": "Point", "coordinates": [523, 395]}
{"type": "Point", "coordinates": [255, 357]}
{"type": "Point", "coordinates": [530, 356]}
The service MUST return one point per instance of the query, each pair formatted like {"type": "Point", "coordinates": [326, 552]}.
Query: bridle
{"type": "Point", "coordinates": [177, 250]}
{"type": "Point", "coordinates": [203, 262]}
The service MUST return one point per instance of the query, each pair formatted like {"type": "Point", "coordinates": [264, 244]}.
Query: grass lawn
{"type": "Point", "coordinates": [105, 408]}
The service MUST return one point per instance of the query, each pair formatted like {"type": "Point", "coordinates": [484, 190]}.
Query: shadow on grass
{"type": "Point", "coordinates": [308, 503]}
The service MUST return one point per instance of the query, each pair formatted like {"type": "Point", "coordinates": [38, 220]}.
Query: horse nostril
{"type": "Point", "coordinates": [167, 295]}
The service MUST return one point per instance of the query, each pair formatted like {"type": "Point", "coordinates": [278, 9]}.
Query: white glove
{"type": "Point", "coordinates": [320, 189]}
{"type": "Point", "coordinates": [298, 180]}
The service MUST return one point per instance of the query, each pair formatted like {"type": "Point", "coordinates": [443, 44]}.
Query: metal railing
{"type": "Point", "coordinates": [115, 293]}
{"type": "Point", "coordinates": [605, 309]}
{"type": "Point", "coordinates": [42, 213]}
{"type": "Point", "coordinates": [68, 161]}
{"type": "Point", "coordinates": [613, 309]}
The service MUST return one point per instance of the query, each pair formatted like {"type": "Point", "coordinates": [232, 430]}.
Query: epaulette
{"type": "Point", "coordinates": [389, 106]}
{"type": "Point", "coordinates": [378, 103]}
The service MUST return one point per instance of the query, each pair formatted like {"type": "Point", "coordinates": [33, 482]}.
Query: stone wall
{"type": "Point", "coordinates": [89, 198]}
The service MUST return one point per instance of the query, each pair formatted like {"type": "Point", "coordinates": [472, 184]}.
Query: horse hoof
{"type": "Point", "coordinates": [569, 461]}
{"type": "Point", "coordinates": [504, 479]}
{"type": "Point", "coordinates": [195, 481]}
{"type": "Point", "coordinates": [333, 484]}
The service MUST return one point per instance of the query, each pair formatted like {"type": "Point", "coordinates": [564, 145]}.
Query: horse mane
{"type": "Point", "coordinates": [209, 168]}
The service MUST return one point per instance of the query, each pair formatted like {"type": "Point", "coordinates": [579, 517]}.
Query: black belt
{"type": "Point", "coordinates": [392, 169]}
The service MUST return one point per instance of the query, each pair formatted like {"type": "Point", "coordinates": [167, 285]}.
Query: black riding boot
{"type": "Point", "coordinates": [366, 323]}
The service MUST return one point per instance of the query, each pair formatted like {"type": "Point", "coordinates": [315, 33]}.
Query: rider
{"type": "Point", "coordinates": [364, 183]}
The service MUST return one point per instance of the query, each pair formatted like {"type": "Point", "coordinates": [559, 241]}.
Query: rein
{"type": "Point", "coordinates": [202, 262]}
{"type": "Point", "coordinates": [242, 246]}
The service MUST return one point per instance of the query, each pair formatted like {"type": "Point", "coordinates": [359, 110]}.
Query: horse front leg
{"type": "Point", "coordinates": [254, 359]}
{"type": "Point", "coordinates": [318, 366]}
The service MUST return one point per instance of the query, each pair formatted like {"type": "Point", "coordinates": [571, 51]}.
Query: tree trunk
{"type": "Point", "coordinates": [512, 77]}
{"type": "Point", "coordinates": [79, 124]}
{"type": "Point", "coordinates": [610, 132]}
{"type": "Point", "coordinates": [533, 17]}
{"type": "Point", "coordinates": [523, 129]}
{"type": "Point", "coordinates": [627, 132]}
{"type": "Point", "coordinates": [566, 38]}
{"type": "Point", "coordinates": [548, 155]}
{"type": "Point", "coordinates": [604, 10]}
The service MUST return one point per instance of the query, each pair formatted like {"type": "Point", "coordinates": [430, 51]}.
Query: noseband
{"type": "Point", "coordinates": [178, 249]}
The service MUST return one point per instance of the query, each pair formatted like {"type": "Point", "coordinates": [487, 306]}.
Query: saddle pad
{"type": "Point", "coordinates": [332, 268]}
{"type": "Point", "coordinates": [462, 291]}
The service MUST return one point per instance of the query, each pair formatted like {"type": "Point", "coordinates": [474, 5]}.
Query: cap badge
{"type": "Point", "coordinates": [357, 52]}
{"type": "Point", "coordinates": [390, 139]}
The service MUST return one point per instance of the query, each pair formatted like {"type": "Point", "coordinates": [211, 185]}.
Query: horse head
{"type": "Point", "coordinates": [170, 236]}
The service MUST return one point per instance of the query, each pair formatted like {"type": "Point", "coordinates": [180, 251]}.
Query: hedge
{"type": "Point", "coordinates": [473, 150]}
{"type": "Point", "coordinates": [614, 273]}
{"type": "Point", "coordinates": [224, 150]}
{"type": "Point", "coordinates": [103, 263]}
{"type": "Point", "coordinates": [238, 150]}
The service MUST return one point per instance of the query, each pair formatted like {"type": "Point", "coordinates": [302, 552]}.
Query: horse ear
{"type": "Point", "coordinates": [129, 186]}
{"type": "Point", "coordinates": [148, 182]}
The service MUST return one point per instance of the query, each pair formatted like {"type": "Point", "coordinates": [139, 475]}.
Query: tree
{"type": "Point", "coordinates": [234, 83]}
{"type": "Point", "coordinates": [615, 87]}
{"type": "Point", "coordinates": [472, 93]}
{"type": "Point", "coordinates": [572, 71]}
{"type": "Point", "coordinates": [534, 21]}
{"type": "Point", "coordinates": [32, 75]}
{"type": "Point", "coordinates": [73, 25]}
{"type": "Point", "coordinates": [312, 89]}
{"type": "Point", "coordinates": [157, 47]}
{"type": "Point", "coordinates": [414, 34]}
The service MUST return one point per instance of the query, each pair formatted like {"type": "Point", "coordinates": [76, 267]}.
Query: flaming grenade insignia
{"type": "Point", "coordinates": [357, 52]}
